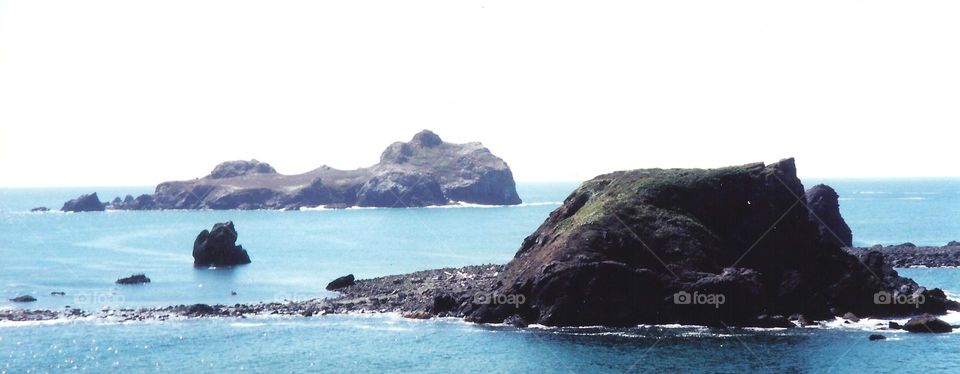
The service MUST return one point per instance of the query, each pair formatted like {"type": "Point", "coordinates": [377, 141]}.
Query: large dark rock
{"type": "Point", "coordinates": [344, 281]}
{"type": "Point", "coordinates": [927, 324]}
{"type": "Point", "coordinates": [84, 203]}
{"type": "Point", "coordinates": [726, 246]}
{"type": "Point", "coordinates": [424, 171]}
{"type": "Point", "coordinates": [218, 247]}
{"type": "Point", "coordinates": [824, 205]}
{"type": "Point", "coordinates": [134, 279]}
{"type": "Point", "coordinates": [23, 299]}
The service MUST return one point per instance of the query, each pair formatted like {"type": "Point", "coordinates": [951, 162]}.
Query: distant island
{"type": "Point", "coordinates": [425, 171]}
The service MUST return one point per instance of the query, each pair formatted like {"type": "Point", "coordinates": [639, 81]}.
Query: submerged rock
{"type": "Point", "coordinates": [824, 205]}
{"type": "Point", "coordinates": [424, 171]}
{"type": "Point", "coordinates": [134, 279]}
{"type": "Point", "coordinates": [23, 299]}
{"type": "Point", "coordinates": [874, 337]}
{"type": "Point", "coordinates": [344, 281]}
{"type": "Point", "coordinates": [84, 203]}
{"type": "Point", "coordinates": [927, 324]}
{"type": "Point", "coordinates": [725, 246]}
{"type": "Point", "coordinates": [40, 209]}
{"type": "Point", "coordinates": [218, 247]}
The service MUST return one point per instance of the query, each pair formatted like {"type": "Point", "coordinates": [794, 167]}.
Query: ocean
{"type": "Point", "coordinates": [296, 253]}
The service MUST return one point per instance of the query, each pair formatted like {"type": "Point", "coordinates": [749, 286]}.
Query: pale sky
{"type": "Point", "coordinates": [138, 92]}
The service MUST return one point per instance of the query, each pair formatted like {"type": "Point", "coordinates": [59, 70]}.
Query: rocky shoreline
{"type": "Point", "coordinates": [447, 292]}
{"type": "Point", "coordinates": [422, 294]}
{"type": "Point", "coordinates": [910, 255]}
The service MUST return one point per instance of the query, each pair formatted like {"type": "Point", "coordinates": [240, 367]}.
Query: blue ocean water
{"type": "Point", "coordinates": [296, 253]}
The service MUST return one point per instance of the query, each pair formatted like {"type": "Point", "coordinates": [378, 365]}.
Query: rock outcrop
{"type": "Point", "coordinates": [240, 168]}
{"type": "Point", "coordinates": [134, 279]}
{"type": "Point", "coordinates": [927, 324]}
{"type": "Point", "coordinates": [344, 281]}
{"type": "Point", "coordinates": [422, 172]}
{"type": "Point", "coordinates": [84, 203]}
{"type": "Point", "coordinates": [908, 254]}
{"type": "Point", "coordinates": [824, 205]}
{"type": "Point", "coordinates": [218, 247]}
{"type": "Point", "coordinates": [727, 246]}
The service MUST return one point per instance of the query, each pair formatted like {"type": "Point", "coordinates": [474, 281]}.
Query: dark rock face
{"type": "Point", "coordinates": [424, 171]}
{"type": "Point", "coordinates": [927, 324]}
{"type": "Point", "coordinates": [344, 281]}
{"type": "Point", "coordinates": [84, 203]}
{"type": "Point", "coordinates": [134, 279]}
{"type": "Point", "coordinates": [727, 246]}
{"type": "Point", "coordinates": [218, 247]}
{"type": "Point", "coordinates": [398, 190]}
{"type": "Point", "coordinates": [824, 205]}
{"type": "Point", "coordinates": [24, 299]}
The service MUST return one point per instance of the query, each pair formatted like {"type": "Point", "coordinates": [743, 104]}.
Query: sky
{"type": "Point", "coordinates": [96, 93]}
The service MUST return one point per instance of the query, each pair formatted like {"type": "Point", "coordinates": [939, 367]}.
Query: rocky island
{"type": "Point", "coordinates": [422, 172]}
{"type": "Point", "coordinates": [639, 246]}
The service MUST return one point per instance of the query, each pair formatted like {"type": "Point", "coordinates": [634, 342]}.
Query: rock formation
{"type": "Point", "coordinates": [927, 324]}
{"type": "Point", "coordinates": [424, 171]}
{"type": "Point", "coordinates": [344, 281]}
{"type": "Point", "coordinates": [727, 246]}
{"type": "Point", "coordinates": [134, 279]}
{"type": "Point", "coordinates": [824, 205]}
{"type": "Point", "coordinates": [84, 203]}
{"type": "Point", "coordinates": [218, 247]}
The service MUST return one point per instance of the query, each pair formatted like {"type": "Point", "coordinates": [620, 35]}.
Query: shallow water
{"type": "Point", "coordinates": [296, 253]}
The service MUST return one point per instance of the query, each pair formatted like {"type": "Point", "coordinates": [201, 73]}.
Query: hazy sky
{"type": "Point", "coordinates": [137, 92]}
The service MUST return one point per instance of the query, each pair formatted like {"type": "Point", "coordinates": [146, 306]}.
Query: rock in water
{"type": "Point", "coordinates": [726, 246]}
{"type": "Point", "coordinates": [874, 337]}
{"type": "Point", "coordinates": [84, 203]}
{"type": "Point", "coordinates": [824, 204]}
{"type": "Point", "coordinates": [927, 323]}
{"type": "Point", "coordinates": [424, 171]}
{"type": "Point", "coordinates": [134, 279]}
{"type": "Point", "coordinates": [344, 281]}
{"type": "Point", "coordinates": [218, 247]}
{"type": "Point", "coordinates": [40, 209]}
{"type": "Point", "coordinates": [23, 299]}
